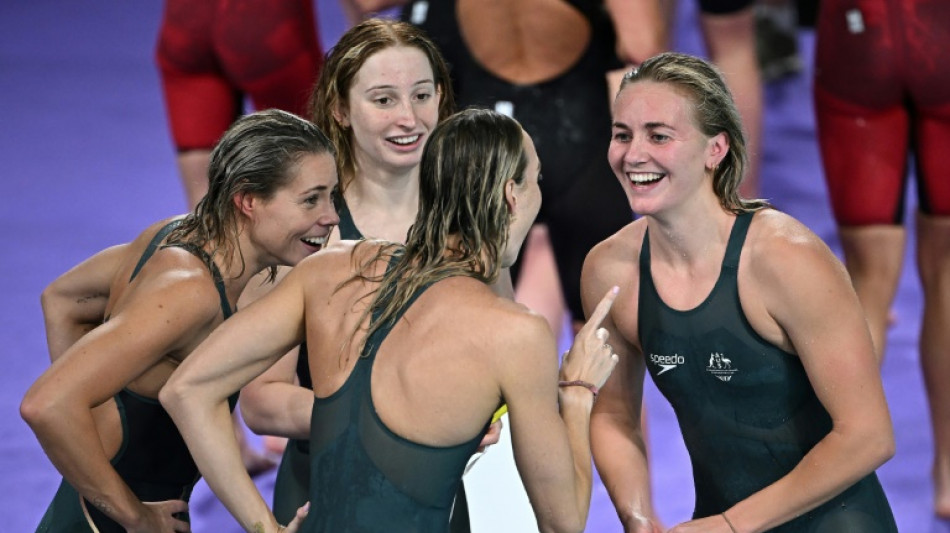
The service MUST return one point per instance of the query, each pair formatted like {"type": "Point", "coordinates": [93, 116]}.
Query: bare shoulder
{"type": "Point", "coordinates": [612, 262]}
{"type": "Point", "coordinates": [791, 269]}
{"type": "Point", "coordinates": [502, 327]}
{"type": "Point", "coordinates": [345, 252]}
{"type": "Point", "coordinates": [620, 246]}
{"type": "Point", "coordinates": [777, 243]}
{"type": "Point", "coordinates": [175, 278]}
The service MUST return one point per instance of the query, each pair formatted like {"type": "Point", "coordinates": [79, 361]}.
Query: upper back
{"type": "Point", "coordinates": [441, 362]}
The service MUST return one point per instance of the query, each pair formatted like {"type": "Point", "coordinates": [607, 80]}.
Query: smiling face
{"type": "Point", "coordinates": [656, 151]}
{"type": "Point", "coordinates": [296, 220]}
{"type": "Point", "coordinates": [392, 106]}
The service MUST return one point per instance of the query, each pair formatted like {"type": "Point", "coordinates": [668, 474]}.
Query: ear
{"type": "Point", "coordinates": [340, 115]}
{"type": "Point", "coordinates": [718, 147]}
{"type": "Point", "coordinates": [245, 203]}
{"type": "Point", "coordinates": [510, 197]}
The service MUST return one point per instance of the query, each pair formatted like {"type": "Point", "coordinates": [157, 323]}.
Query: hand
{"type": "Point", "coordinates": [492, 436]}
{"type": "Point", "coordinates": [295, 524]}
{"type": "Point", "coordinates": [591, 359]}
{"type": "Point", "coordinates": [159, 518]}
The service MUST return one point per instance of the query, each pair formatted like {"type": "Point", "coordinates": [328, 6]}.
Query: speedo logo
{"type": "Point", "coordinates": [667, 362]}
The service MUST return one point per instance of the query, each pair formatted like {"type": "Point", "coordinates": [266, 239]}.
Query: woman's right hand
{"type": "Point", "coordinates": [160, 517]}
{"type": "Point", "coordinates": [591, 358]}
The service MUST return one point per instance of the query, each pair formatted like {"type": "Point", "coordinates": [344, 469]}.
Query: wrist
{"type": "Point", "coordinates": [579, 383]}
{"type": "Point", "coordinates": [732, 528]}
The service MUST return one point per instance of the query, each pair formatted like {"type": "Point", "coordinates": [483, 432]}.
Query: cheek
{"type": "Point", "coordinates": [615, 156]}
{"type": "Point", "coordinates": [368, 122]}
{"type": "Point", "coordinates": [429, 115]}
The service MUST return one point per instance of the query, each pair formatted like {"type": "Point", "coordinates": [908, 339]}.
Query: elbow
{"type": "Point", "coordinates": [171, 396]}
{"type": "Point", "coordinates": [885, 447]}
{"type": "Point", "coordinates": [875, 445]}
{"type": "Point", "coordinates": [46, 298]}
{"type": "Point", "coordinates": [38, 410]}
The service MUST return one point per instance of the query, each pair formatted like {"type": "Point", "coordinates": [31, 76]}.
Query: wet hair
{"type": "Point", "coordinates": [345, 60]}
{"type": "Point", "coordinates": [463, 222]}
{"type": "Point", "coordinates": [714, 112]}
{"type": "Point", "coordinates": [257, 155]}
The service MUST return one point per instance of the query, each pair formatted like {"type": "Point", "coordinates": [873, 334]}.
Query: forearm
{"type": "Point", "coordinates": [278, 408]}
{"type": "Point", "coordinates": [72, 444]}
{"type": "Point", "coordinates": [833, 465]}
{"type": "Point", "coordinates": [575, 405]}
{"type": "Point", "coordinates": [208, 431]}
{"type": "Point", "coordinates": [619, 452]}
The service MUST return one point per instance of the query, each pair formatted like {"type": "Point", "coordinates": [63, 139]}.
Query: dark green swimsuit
{"type": "Point", "coordinates": [367, 479]}
{"type": "Point", "coordinates": [153, 459]}
{"type": "Point", "coordinates": [746, 409]}
{"type": "Point", "coordinates": [291, 488]}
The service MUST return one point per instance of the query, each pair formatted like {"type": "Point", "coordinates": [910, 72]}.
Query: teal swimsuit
{"type": "Point", "coordinates": [367, 479]}
{"type": "Point", "coordinates": [291, 488]}
{"type": "Point", "coordinates": [153, 459]}
{"type": "Point", "coordinates": [746, 409]}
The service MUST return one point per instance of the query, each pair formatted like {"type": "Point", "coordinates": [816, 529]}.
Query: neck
{"type": "Point", "coordinates": [690, 236]}
{"type": "Point", "coordinates": [241, 269]}
{"type": "Point", "coordinates": [384, 205]}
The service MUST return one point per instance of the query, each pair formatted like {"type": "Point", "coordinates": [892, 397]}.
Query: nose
{"type": "Point", "coordinates": [328, 216]}
{"type": "Point", "coordinates": [406, 115]}
{"type": "Point", "coordinates": [635, 154]}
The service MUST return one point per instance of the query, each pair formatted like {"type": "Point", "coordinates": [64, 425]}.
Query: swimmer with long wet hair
{"type": "Point", "coordinates": [120, 323]}
{"type": "Point", "coordinates": [388, 453]}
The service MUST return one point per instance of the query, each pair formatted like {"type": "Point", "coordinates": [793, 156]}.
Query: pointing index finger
{"type": "Point", "coordinates": [603, 308]}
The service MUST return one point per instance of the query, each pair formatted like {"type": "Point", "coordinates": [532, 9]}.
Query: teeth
{"type": "Point", "coordinates": [315, 241]}
{"type": "Point", "coordinates": [405, 140]}
{"type": "Point", "coordinates": [644, 178]}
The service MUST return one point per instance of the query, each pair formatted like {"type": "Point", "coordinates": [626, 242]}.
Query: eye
{"type": "Point", "coordinates": [659, 137]}
{"type": "Point", "coordinates": [312, 200]}
{"type": "Point", "coordinates": [620, 136]}
{"type": "Point", "coordinates": [383, 100]}
{"type": "Point", "coordinates": [423, 97]}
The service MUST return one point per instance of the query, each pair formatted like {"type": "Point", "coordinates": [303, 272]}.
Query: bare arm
{"type": "Point", "coordinates": [75, 302]}
{"type": "Point", "coordinates": [196, 395]}
{"type": "Point", "coordinates": [552, 448]}
{"type": "Point", "coordinates": [162, 316]}
{"type": "Point", "coordinates": [274, 403]}
{"type": "Point", "coordinates": [642, 32]}
{"type": "Point", "coordinates": [617, 438]}
{"type": "Point", "coordinates": [641, 29]}
{"type": "Point", "coordinates": [808, 293]}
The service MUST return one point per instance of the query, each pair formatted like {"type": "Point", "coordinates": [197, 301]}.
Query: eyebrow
{"type": "Point", "coordinates": [416, 84]}
{"type": "Point", "coordinates": [316, 188]}
{"type": "Point", "coordinates": [648, 125]}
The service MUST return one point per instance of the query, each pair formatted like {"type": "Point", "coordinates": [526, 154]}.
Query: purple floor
{"type": "Point", "coordinates": [87, 163]}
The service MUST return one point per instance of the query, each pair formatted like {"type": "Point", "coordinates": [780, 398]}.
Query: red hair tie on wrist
{"type": "Point", "coordinates": [578, 383]}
